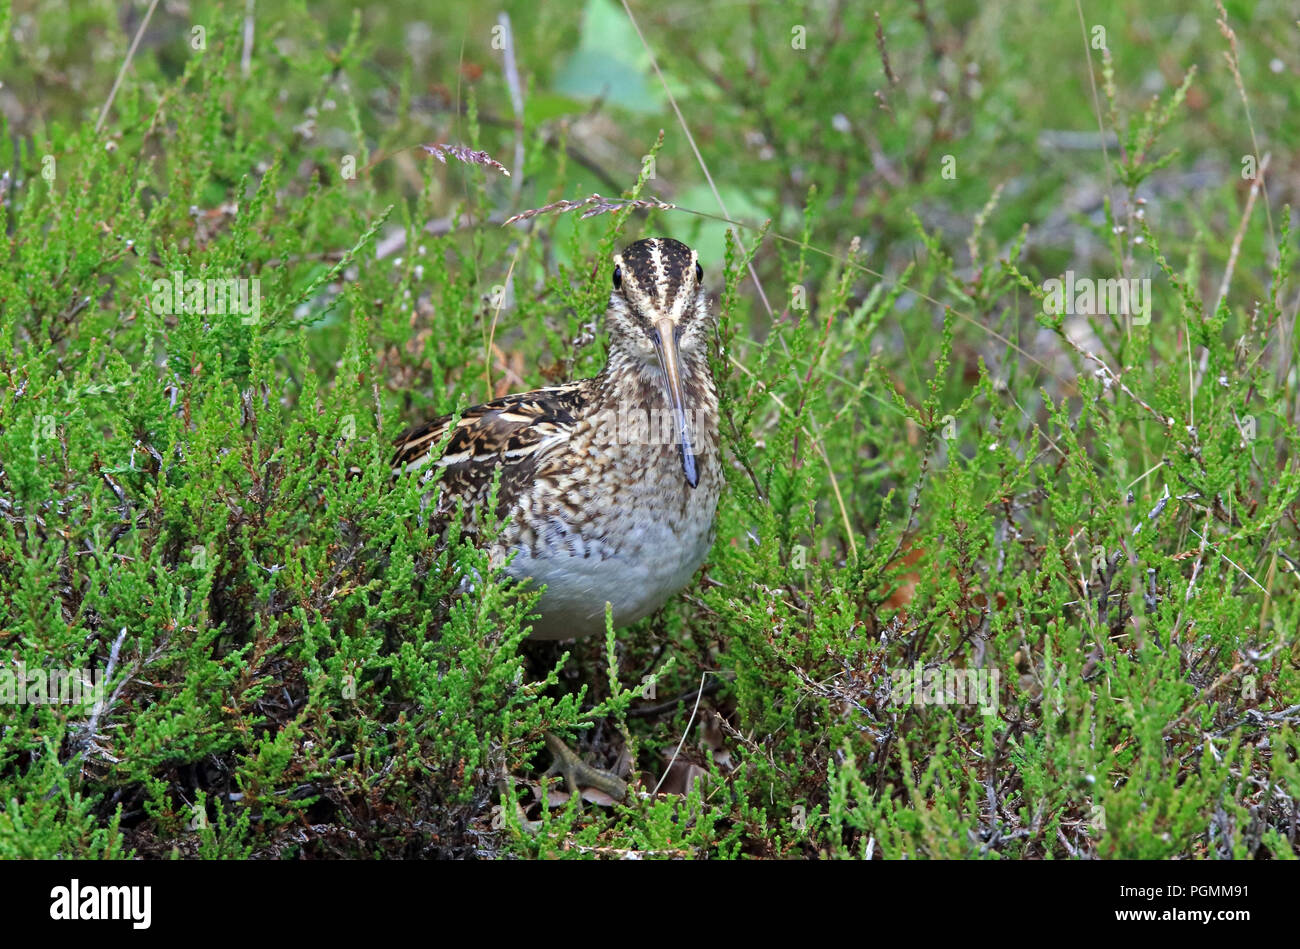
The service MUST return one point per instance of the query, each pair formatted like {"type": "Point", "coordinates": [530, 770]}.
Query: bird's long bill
{"type": "Point", "coordinates": [666, 347]}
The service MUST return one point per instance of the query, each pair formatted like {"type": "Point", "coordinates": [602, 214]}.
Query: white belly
{"type": "Point", "coordinates": [655, 558]}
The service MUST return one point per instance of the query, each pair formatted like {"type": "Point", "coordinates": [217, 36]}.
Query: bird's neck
{"type": "Point", "coordinates": [632, 381]}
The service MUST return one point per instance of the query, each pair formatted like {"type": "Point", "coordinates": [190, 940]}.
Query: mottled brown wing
{"type": "Point", "coordinates": [514, 433]}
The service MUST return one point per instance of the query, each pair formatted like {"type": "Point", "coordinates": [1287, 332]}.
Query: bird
{"type": "Point", "coordinates": [608, 486]}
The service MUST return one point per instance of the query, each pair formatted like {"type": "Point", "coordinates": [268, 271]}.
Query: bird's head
{"type": "Point", "coordinates": [659, 322]}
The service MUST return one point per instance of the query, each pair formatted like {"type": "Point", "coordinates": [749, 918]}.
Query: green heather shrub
{"type": "Point", "coordinates": [936, 478]}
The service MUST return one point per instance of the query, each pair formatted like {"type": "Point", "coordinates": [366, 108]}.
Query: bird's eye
{"type": "Point", "coordinates": [699, 274]}
{"type": "Point", "coordinates": [618, 277]}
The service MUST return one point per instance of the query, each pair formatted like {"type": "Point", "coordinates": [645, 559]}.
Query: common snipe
{"type": "Point", "coordinates": [609, 484]}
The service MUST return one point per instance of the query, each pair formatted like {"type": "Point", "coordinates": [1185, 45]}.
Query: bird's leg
{"type": "Point", "coordinates": [578, 774]}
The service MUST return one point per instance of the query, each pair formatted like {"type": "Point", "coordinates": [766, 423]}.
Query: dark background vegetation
{"type": "Point", "coordinates": [923, 466]}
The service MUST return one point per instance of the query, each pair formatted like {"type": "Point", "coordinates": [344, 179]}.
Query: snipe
{"type": "Point", "coordinates": [609, 484]}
